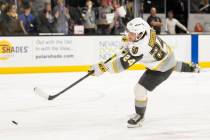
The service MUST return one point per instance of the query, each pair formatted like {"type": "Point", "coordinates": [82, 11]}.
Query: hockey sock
{"type": "Point", "coordinates": [140, 107]}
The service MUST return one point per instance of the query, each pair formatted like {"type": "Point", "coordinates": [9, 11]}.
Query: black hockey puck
{"type": "Point", "coordinates": [14, 122]}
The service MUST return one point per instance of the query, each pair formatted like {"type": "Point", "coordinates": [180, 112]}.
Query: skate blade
{"type": "Point", "coordinates": [140, 124]}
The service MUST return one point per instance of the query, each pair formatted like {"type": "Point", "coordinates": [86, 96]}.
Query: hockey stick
{"type": "Point", "coordinates": [41, 93]}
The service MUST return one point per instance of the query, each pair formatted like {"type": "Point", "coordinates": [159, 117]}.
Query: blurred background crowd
{"type": "Point", "coordinates": [100, 17]}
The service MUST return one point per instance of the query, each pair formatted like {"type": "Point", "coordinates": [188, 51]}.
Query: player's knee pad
{"type": "Point", "coordinates": [140, 93]}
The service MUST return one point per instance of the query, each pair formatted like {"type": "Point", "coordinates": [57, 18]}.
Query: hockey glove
{"type": "Point", "coordinates": [98, 69]}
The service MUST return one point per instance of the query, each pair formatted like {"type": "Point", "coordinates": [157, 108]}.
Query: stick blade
{"type": "Point", "coordinates": [41, 93]}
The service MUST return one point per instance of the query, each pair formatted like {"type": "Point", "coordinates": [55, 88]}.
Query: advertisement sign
{"type": "Point", "coordinates": [44, 51]}
{"type": "Point", "coordinates": [70, 53]}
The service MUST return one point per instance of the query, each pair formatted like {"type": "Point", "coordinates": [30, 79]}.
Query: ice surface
{"type": "Point", "coordinates": [98, 108]}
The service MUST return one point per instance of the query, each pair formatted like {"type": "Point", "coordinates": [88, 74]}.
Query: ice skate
{"type": "Point", "coordinates": [195, 68]}
{"type": "Point", "coordinates": [135, 121]}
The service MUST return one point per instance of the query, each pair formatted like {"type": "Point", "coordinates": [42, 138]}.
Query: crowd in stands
{"type": "Point", "coordinates": [35, 17]}
{"type": "Point", "coordinates": [32, 17]}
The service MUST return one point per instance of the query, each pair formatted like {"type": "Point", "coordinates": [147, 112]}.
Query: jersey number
{"type": "Point", "coordinates": [127, 58]}
{"type": "Point", "coordinates": [157, 48]}
{"type": "Point", "coordinates": [157, 52]}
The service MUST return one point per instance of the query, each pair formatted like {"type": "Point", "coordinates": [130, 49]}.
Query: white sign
{"type": "Point", "coordinates": [79, 30]}
{"type": "Point", "coordinates": [204, 48]}
{"type": "Point", "coordinates": [74, 50]}
{"type": "Point", "coordinates": [45, 51]}
{"type": "Point", "coordinates": [181, 45]}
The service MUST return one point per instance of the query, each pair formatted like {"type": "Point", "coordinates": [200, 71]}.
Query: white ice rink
{"type": "Point", "coordinates": [98, 108]}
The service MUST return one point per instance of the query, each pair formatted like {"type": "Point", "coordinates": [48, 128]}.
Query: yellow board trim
{"type": "Point", "coordinates": [137, 67]}
{"type": "Point", "coordinates": [53, 69]}
{"type": "Point", "coordinates": [58, 69]}
{"type": "Point", "coordinates": [204, 64]}
{"type": "Point", "coordinates": [44, 69]}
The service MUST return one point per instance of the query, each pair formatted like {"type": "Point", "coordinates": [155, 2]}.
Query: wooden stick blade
{"type": "Point", "coordinates": [41, 93]}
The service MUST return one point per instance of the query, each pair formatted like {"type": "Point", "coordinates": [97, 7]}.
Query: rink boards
{"type": "Point", "coordinates": [42, 54]}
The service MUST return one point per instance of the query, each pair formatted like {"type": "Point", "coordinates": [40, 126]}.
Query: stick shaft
{"type": "Point", "coordinates": [51, 97]}
{"type": "Point", "coordinates": [70, 86]}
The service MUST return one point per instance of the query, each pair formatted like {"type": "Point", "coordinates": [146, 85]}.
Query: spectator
{"type": "Point", "coordinates": [201, 6]}
{"type": "Point", "coordinates": [155, 21]}
{"type": "Point", "coordinates": [118, 25]}
{"type": "Point", "coordinates": [204, 6]}
{"type": "Point", "coordinates": [171, 24]}
{"type": "Point", "coordinates": [28, 21]}
{"type": "Point", "coordinates": [198, 27]}
{"type": "Point", "coordinates": [38, 6]}
{"type": "Point", "coordinates": [109, 2]}
{"type": "Point", "coordinates": [22, 4]}
{"type": "Point", "coordinates": [11, 24]}
{"type": "Point", "coordinates": [46, 20]}
{"type": "Point", "coordinates": [3, 5]}
{"type": "Point", "coordinates": [62, 16]}
{"type": "Point", "coordinates": [103, 25]}
{"type": "Point", "coordinates": [2, 14]}
{"type": "Point", "coordinates": [89, 18]}
{"type": "Point", "coordinates": [76, 15]}
{"type": "Point", "coordinates": [130, 11]}
{"type": "Point", "coordinates": [194, 6]}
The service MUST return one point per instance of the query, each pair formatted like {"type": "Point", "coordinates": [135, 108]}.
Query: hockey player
{"type": "Point", "coordinates": [141, 43]}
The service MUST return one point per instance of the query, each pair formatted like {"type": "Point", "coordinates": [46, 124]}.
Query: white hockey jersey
{"type": "Point", "coordinates": [152, 51]}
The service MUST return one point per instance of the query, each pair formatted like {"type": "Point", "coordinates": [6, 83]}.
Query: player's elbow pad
{"type": "Point", "coordinates": [115, 66]}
